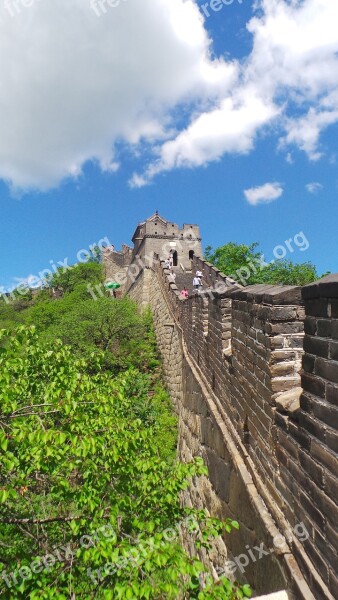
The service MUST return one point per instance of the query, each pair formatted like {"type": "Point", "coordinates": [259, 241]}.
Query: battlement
{"type": "Point", "coordinates": [253, 374]}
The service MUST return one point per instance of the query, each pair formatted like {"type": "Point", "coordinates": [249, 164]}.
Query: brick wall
{"type": "Point", "coordinates": [316, 469]}
{"type": "Point", "coordinates": [245, 402]}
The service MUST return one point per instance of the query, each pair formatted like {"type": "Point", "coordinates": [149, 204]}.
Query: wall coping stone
{"type": "Point", "coordinates": [289, 402]}
{"type": "Point", "coordinates": [327, 287]}
{"type": "Point", "coordinates": [276, 596]}
{"type": "Point", "coordinates": [270, 294]}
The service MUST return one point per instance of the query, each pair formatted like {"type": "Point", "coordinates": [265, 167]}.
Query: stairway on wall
{"type": "Point", "coordinates": [184, 279]}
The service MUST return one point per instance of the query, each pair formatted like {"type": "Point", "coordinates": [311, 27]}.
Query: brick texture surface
{"type": "Point", "coordinates": [269, 356]}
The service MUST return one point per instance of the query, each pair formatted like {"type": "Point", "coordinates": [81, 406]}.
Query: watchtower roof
{"type": "Point", "coordinates": [155, 218]}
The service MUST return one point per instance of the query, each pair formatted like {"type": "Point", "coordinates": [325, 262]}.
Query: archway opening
{"type": "Point", "coordinates": [175, 258]}
{"type": "Point", "coordinates": [191, 254]}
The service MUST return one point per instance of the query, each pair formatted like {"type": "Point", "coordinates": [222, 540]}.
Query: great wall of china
{"type": "Point", "coordinates": [253, 375]}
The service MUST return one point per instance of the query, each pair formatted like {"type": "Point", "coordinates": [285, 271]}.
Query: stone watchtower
{"type": "Point", "coordinates": [158, 235]}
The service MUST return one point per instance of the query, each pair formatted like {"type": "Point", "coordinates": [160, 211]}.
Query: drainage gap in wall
{"type": "Point", "coordinates": [246, 433]}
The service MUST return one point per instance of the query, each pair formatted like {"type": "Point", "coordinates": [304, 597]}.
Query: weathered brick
{"type": "Point", "coordinates": [332, 440]}
{"type": "Point", "coordinates": [279, 355]}
{"type": "Point", "coordinates": [283, 487]}
{"type": "Point", "coordinates": [334, 329]}
{"type": "Point", "coordinates": [334, 308]}
{"type": "Point", "coordinates": [332, 535]}
{"type": "Point", "coordinates": [326, 413]}
{"type": "Point", "coordinates": [310, 325]}
{"type": "Point", "coordinates": [283, 313]}
{"type": "Point", "coordinates": [333, 584]}
{"type": "Point", "coordinates": [313, 426]}
{"type": "Point", "coordinates": [308, 363]}
{"type": "Point", "coordinates": [284, 328]}
{"type": "Point", "coordinates": [327, 370]}
{"type": "Point", "coordinates": [309, 507]}
{"type": "Point", "coordinates": [282, 456]}
{"type": "Point", "coordinates": [282, 369]}
{"type": "Point", "coordinates": [331, 485]}
{"type": "Point", "coordinates": [316, 346]}
{"type": "Point", "coordinates": [333, 350]}
{"type": "Point", "coordinates": [276, 342]}
{"type": "Point", "coordinates": [299, 476]}
{"type": "Point", "coordinates": [323, 328]}
{"type": "Point", "coordinates": [288, 444]}
{"type": "Point", "coordinates": [301, 436]}
{"type": "Point", "coordinates": [284, 384]}
{"type": "Point", "coordinates": [281, 421]}
{"type": "Point", "coordinates": [332, 394]}
{"type": "Point", "coordinates": [323, 455]}
{"type": "Point", "coordinates": [295, 341]}
{"type": "Point", "coordinates": [313, 469]}
{"type": "Point", "coordinates": [306, 403]}
{"type": "Point", "coordinates": [326, 551]}
{"type": "Point", "coordinates": [313, 384]}
{"type": "Point", "coordinates": [317, 308]}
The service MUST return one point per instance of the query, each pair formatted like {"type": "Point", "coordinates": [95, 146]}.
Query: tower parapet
{"type": "Point", "coordinates": [162, 237]}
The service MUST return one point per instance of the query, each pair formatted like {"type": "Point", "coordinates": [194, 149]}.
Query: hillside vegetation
{"type": "Point", "coordinates": [89, 481]}
{"type": "Point", "coordinates": [248, 266]}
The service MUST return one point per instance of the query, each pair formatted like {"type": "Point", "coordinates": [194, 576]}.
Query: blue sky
{"type": "Point", "coordinates": [82, 157]}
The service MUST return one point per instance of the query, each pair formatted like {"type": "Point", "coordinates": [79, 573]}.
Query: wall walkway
{"type": "Point", "coordinates": [253, 374]}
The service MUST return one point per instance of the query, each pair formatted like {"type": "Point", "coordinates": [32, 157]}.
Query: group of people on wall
{"type": "Point", "coordinates": [197, 283]}
{"type": "Point", "coordinates": [197, 280]}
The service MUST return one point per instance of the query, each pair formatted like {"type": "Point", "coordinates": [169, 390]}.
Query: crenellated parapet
{"type": "Point", "coordinates": [268, 354]}
{"type": "Point", "coordinates": [253, 374]}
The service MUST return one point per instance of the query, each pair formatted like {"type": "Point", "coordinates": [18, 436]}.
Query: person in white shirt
{"type": "Point", "coordinates": [197, 283]}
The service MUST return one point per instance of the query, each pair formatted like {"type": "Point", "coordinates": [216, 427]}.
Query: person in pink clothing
{"type": "Point", "coordinates": [185, 293]}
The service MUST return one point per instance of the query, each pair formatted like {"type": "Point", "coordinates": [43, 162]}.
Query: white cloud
{"type": "Point", "coordinates": [292, 69]}
{"type": "Point", "coordinates": [74, 84]}
{"type": "Point", "coordinates": [75, 87]}
{"type": "Point", "coordinates": [314, 187]}
{"type": "Point", "coordinates": [264, 194]}
{"type": "Point", "coordinates": [229, 128]}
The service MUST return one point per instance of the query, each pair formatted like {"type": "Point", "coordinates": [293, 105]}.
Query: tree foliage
{"type": "Point", "coordinates": [89, 481]}
{"type": "Point", "coordinates": [246, 265]}
{"type": "Point", "coordinates": [86, 482]}
{"type": "Point", "coordinates": [125, 337]}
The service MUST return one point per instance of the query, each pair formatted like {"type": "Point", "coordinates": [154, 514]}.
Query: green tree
{"type": "Point", "coordinates": [232, 257]}
{"type": "Point", "coordinates": [85, 485]}
{"type": "Point", "coordinates": [87, 273]}
{"type": "Point", "coordinates": [247, 266]}
{"type": "Point", "coordinates": [285, 272]}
